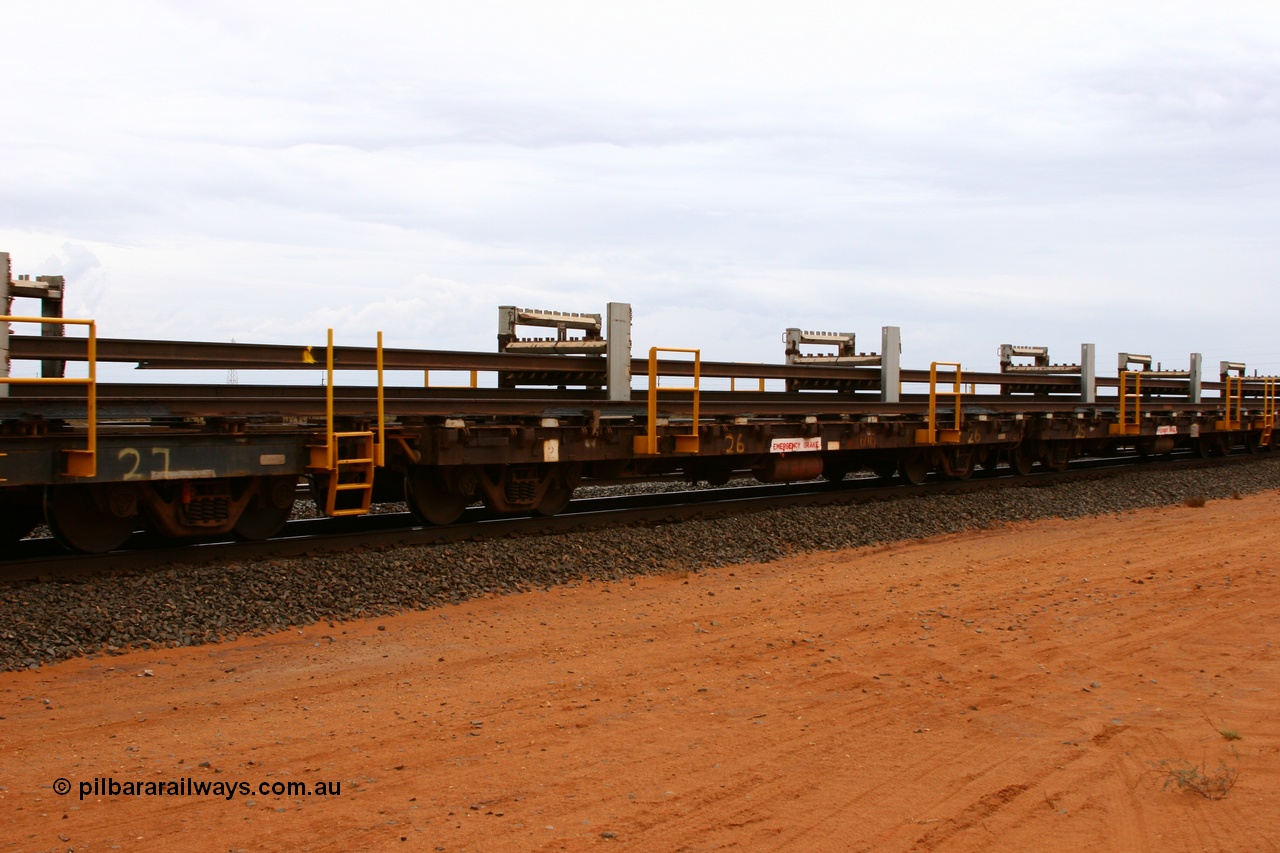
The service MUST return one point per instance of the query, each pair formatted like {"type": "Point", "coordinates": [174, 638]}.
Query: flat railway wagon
{"type": "Point", "coordinates": [98, 461]}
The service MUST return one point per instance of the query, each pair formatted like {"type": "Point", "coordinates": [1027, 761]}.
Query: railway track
{"type": "Point", "coordinates": [44, 559]}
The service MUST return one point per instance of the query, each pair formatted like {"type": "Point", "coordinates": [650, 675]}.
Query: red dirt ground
{"type": "Point", "coordinates": [1028, 687]}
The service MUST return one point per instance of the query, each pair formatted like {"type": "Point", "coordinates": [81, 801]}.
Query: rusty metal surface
{"type": "Point", "coordinates": [388, 531]}
{"type": "Point", "coordinates": [586, 370]}
{"type": "Point", "coordinates": [146, 401]}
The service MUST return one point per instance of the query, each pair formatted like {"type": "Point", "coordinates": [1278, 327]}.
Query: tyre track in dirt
{"type": "Point", "coordinates": [1009, 689]}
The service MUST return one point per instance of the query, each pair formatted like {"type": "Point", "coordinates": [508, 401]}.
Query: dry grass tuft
{"type": "Point", "coordinates": [1198, 778]}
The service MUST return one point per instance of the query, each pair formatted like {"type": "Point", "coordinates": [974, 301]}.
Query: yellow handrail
{"type": "Point", "coordinates": [933, 434]}
{"type": "Point", "coordinates": [647, 444]}
{"type": "Point", "coordinates": [371, 452]}
{"type": "Point", "coordinates": [1268, 409]}
{"type": "Point", "coordinates": [331, 447]}
{"type": "Point", "coordinates": [1125, 425]}
{"type": "Point", "coordinates": [1232, 415]}
{"type": "Point", "coordinates": [80, 463]}
{"type": "Point", "coordinates": [381, 455]}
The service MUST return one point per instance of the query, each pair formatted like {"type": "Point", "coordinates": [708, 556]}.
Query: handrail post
{"type": "Point", "coordinates": [382, 430]}
{"type": "Point", "coordinates": [933, 433]}
{"type": "Point", "coordinates": [80, 463]}
{"type": "Point", "coordinates": [331, 447]}
{"type": "Point", "coordinates": [647, 444]}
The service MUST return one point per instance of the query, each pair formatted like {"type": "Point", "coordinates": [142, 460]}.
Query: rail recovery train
{"type": "Point", "coordinates": [98, 461]}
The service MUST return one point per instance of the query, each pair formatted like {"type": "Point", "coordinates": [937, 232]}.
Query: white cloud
{"type": "Point", "coordinates": [1030, 172]}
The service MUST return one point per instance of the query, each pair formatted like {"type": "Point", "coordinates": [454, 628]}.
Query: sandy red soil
{"type": "Point", "coordinates": [1023, 688]}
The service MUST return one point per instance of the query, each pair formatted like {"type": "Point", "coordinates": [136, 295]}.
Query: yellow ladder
{"type": "Point", "coordinates": [1268, 410]}
{"type": "Point", "coordinates": [1128, 426]}
{"type": "Point", "coordinates": [933, 433]}
{"type": "Point", "coordinates": [352, 473]}
{"type": "Point", "coordinates": [349, 459]}
{"type": "Point", "coordinates": [1233, 403]}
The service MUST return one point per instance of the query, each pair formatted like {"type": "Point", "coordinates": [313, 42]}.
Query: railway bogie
{"type": "Point", "coordinates": [101, 461]}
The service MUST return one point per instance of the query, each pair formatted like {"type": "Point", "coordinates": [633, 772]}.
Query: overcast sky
{"type": "Point", "coordinates": [976, 173]}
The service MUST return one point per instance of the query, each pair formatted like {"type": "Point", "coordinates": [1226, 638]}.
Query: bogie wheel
{"type": "Point", "coordinates": [81, 518]}
{"type": "Point", "coordinates": [554, 500]}
{"type": "Point", "coordinates": [1057, 456]}
{"type": "Point", "coordinates": [429, 499]}
{"type": "Point", "coordinates": [1021, 458]}
{"type": "Point", "coordinates": [914, 466]}
{"type": "Point", "coordinates": [268, 512]}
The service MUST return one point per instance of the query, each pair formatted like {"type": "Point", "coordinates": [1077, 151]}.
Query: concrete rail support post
{"type": "Point", "coordinates": [506, 326]}
{"type": "Point", "coordinates": [5, 278]}
{"type": "Point", "coordinates": [890, 364]}
{"type": "Point", "coordinates": [51, 306]}
{"type": "Point", "coordinates": [1193, 386]}
{"type": "Point", "coordinates": [1088, 373]}
{"type": "Point", "coordinates": [618, 351]}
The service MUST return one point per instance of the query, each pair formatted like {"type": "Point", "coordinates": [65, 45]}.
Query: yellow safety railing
{"type": "Point", "coordinates": [1233, 402]}
{"type": "Point", "coordinates": [1268, 410]}
{"type": "Point", "coordinates": [647, 444]}
{"type": "Point", "coordinates": [1127, 425]}
{"type": "Point", "coordinates": [369, 452]}
{"type": "Point", "coordinates": [933, 433]}
{"type": "Point", "coordinates": [80, 463]}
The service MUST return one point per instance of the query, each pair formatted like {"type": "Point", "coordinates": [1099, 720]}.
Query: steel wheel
{"type": "Point", "coordinates": [914, 466]}
{"type": "Point", "coordinates": [268, 511]}
{"type": "Point", "coordinates": [429, 499]}
{"type": "Point", "coordinates": [78, 521]}
{"type": "Point", "coordinates": [554, 500]}
{"type": "Point", "coordinates": [1021, 458]}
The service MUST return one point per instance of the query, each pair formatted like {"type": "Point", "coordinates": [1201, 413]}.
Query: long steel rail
{"type": "Point", "coordinates": [193, 355]}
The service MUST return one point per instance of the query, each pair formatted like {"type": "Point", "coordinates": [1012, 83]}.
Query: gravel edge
{"type": "Point", "coordinates": [47, 622]}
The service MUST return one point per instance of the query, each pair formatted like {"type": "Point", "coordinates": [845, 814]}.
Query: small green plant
{"type": "Point", "coordinates": [1198, 778]}
{"type": "Point", "coordinates": [1227, 734]}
